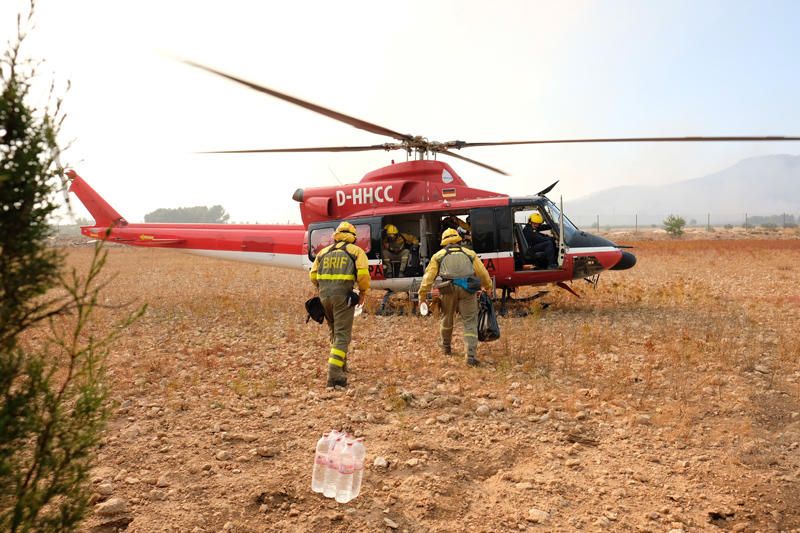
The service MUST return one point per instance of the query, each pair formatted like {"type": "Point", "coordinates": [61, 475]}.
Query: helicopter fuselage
{"type": "Point", "coordinates": [416, 196]}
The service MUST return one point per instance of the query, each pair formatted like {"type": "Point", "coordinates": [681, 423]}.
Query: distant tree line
{"type": "Point", "coordinates": [199, 214]}
{"type": "Point", "coordinates": [772, 220]}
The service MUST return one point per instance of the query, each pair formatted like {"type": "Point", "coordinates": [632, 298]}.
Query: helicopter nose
{"type": "Point", "coordinates": [626, 262]}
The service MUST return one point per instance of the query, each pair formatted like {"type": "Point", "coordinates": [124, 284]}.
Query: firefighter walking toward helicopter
{"type": "Point", "coordinates": [336, 270]}
{"type": "Point", "coordinates": [463, 274]}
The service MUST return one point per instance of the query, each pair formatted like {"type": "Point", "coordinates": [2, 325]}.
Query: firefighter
{"type": "Point", "coordinates": [458, 266]}
{"type": "Point", "coordinates": [396, 249]}
{"type": "Point", "coordinates": [540, 243]}
{"type": "Point", "coordinates": [463, 228]}
{"type": "Point", "coordinates": [336, 269]}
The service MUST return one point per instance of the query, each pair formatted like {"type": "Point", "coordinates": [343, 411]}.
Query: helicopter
{"type": "Point", "coordinates": [420, 196]}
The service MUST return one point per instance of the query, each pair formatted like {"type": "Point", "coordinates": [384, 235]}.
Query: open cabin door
{"type": "Point", "coordinates": [562, 247]}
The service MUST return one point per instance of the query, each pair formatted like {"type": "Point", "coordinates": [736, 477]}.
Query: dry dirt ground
{"type": "Point", "coordinates": [666, 399]}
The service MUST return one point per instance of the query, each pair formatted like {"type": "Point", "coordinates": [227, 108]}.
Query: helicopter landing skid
{"type": "Point", "coordinates": [506, 297]}
{"type": "Point", "coordinates": [384, 303]}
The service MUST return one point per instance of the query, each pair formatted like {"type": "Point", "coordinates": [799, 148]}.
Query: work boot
{"type": "Point", "coordinates": [336, 377]}
{"type": "Point", "coordinates": [472, 361]}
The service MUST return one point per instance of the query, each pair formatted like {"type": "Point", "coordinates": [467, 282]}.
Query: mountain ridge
{"type": "Point", "coordinates": [760, 185]}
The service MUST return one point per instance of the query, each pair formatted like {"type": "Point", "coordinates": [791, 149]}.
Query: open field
{"type": "Point", "coordinates": [666, 399]}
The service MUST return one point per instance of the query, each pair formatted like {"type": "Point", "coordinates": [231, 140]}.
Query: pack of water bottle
{"type": "Point", "coordinates": [338, 466]}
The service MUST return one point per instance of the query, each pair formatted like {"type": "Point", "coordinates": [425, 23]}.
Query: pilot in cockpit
{"type": "Point", "coordinates": [541, 247]}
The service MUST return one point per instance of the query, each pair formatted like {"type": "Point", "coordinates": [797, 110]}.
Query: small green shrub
{"type": "Point", "coordinates": [674, 224]}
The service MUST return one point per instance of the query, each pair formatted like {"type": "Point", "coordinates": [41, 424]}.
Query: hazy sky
{"type": "Point", "coordinates": [467, 70]}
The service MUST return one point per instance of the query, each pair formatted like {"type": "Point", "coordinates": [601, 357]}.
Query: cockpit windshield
{"type": "Point", "coordinates": [569, 228]}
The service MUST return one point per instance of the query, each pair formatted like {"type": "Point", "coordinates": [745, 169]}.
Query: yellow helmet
{"type": "Point", "coordinates": [390, 230]}
{"type": "Point", "coordinates": [450, 236]}
{"type": "Point", "coordinates": [345, 232]}
{"type": "Point", "coordinates": [535, 218]}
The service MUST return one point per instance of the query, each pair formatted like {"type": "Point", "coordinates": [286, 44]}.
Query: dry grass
{"type": "Point", "coordinates": [680, 377]}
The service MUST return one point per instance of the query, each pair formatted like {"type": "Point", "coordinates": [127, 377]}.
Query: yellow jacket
{"type": "Point", "coordinates": [401, 241]}
{"type": "Point", "coordinates": [361, 275]}
{"type": "Point", "coordinates": [433, 270]}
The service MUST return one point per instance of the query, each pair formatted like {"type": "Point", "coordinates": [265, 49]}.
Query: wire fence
{"type": "Point", "coordinates": [648, 220]}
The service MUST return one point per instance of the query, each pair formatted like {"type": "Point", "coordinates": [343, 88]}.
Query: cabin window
{"type": "Point", "coordinates": [322, 237]}
{"type": "Point", "coordinates": [491, 229]}
{"type": "Point", "coordinates": [319, 239]}
{"type": "Point", "coordinates": [483, 234]}
{"type": "Point", "coordinates": [504, 226]}
{"type": "Point", "coordinates": [363, 238]}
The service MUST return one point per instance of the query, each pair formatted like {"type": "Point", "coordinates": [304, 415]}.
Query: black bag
{"type": "Point", "coordinates": [315, 310]}
{"type": "Point", "coordinates": [488, 328]}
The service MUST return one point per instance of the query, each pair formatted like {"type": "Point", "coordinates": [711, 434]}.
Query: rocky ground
{"type": "Point", "coordinates": [667, 399]}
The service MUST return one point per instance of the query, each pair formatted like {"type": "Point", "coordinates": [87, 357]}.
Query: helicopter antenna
{"type": "Point", "coordinates": [334, 175]}
{"type": "Point", "coordinates": [548, 189]}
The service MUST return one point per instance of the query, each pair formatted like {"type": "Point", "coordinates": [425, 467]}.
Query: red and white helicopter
{"type": "Point", "coordinates": [416, 196]}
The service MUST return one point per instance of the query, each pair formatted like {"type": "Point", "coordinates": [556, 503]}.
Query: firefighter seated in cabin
{"type": "Point", "coordinates": [396, 252]}
{"type": "Point", "coordinates": [541, 247]}
{"type": "Point", "coordinates": [463, 228]}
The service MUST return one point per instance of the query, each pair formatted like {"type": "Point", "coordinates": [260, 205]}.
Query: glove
{"type": "Point", "coordinates": [352, 299]}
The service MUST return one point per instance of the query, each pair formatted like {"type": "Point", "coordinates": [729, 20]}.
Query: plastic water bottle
{"type": "Point", "coordinates": [359, 452]}
{"type": "Point", "coordinates": [344, 485]}
{"type": "Point", "coordinates": [332, 471]}
{"type": "Point", "coordinates": [320, 463]}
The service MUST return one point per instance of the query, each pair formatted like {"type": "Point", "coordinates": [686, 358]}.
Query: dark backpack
{"type": "Point", "coordinates": [488, 328]}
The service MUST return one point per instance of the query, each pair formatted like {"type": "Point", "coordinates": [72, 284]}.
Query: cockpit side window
{"type": "Point", "coordinates": [521, 216]}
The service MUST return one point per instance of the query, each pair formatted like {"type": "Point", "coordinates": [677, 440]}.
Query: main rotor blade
{"type": "Point", "coordinates": [341, 117]}
{"type": "Point", "coordinates": [316, 149]}
{"type": "Point", "coordinates": [461, 144]}
{"type": "Point", "coordinates": [484, 165]}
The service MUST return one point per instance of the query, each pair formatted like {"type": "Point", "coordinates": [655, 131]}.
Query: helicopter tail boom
{"type": "Point", "coordinates": [281, 245]}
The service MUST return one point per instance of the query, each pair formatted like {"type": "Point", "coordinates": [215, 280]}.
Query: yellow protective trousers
{"type": "Point", "coordinates": [339, 316]}
{"type": "Point", "coordinates": [400, 257]}
{"type": "Point", "coordinates": [455, 298]}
